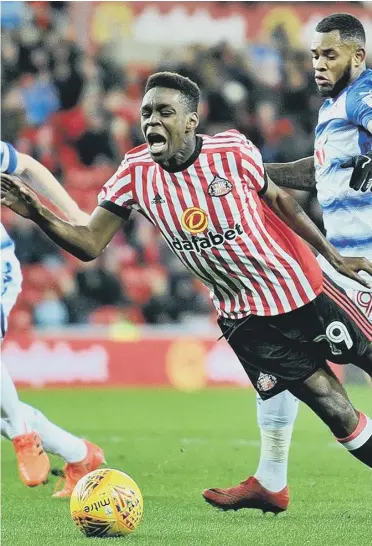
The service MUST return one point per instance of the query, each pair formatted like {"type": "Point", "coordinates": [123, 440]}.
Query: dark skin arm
{"type": "Point", "coordinates": [295, 217]}
{"type": "Point", "coordinates": [86, 242]}
{"type": "Point", "coordinates": [297, 175]}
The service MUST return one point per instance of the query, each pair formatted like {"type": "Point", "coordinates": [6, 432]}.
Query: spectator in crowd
{"type": "Point", "coordinates": [40, 98]}
{"type": "Point", "coordinates": [96, 286]}
{"type": "Point", "coordinates": [32, 246]}
{"type": "Point", "coordinates": [96, 144]}
{"type": "Point", "coordinates": [50, 311]}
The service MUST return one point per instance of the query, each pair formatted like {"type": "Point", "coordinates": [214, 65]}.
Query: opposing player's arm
{"type": "Point", "coordinates": [295, 217]}
{"type": "Point", "coordinates": [39, 178]}
{"type": "Point", "coordinates": [297, 175]}
{"type": "Point", "coordinates": [86, 242]}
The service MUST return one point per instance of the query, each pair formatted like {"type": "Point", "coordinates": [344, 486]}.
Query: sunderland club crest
{"type": "Point", "coordinates": [219, 187]}
{"type": "Point", "coordinates": [266, 382]}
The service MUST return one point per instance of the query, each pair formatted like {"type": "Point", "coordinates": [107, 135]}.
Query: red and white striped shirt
{"type": "Point", "coordinates": [212, 217]}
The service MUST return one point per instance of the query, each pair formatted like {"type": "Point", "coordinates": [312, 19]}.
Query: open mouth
{"type": "Point", "coordinates": [321, 80]}
{"type": "Point", "coordinates": [156, 143]}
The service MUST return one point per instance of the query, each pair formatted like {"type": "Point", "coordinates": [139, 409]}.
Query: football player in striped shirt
{"type": "Point", "coordinates": [27, 427]}
{"type": "Point", "coordinates": [343, 139]}
{"type": "Point", "coordinates": [243, 237]}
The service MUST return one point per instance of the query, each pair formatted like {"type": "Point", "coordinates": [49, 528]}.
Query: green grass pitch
{"type": "Point", "coordinates": [174, 445]}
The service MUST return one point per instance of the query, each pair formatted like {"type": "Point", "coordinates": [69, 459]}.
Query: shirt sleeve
{"type": "Point", "coordinates": [359, 106]}
{"type": "Point", "coordinates": [252, 167]}
{"type": "Point", "coordinates": [8, 157]}
{"type": "Point", "coordinates": [116, 195]}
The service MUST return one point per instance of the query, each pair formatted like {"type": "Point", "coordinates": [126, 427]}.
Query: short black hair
{"type": "Point", "coordinates": [350, 28]}
{"type": "Point", "coordinates": [171, 80]}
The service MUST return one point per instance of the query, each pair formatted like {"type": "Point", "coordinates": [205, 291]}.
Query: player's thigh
{"type": "Point", "coordinates": [326, 396]}
{"type": "Point", "coordinates": [273, 350]}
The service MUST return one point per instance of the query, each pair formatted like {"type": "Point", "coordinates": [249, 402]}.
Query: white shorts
{"type": "Point", "coordinates": [360, 295]}
{"type": "Point", "coordinates": [11, 284]}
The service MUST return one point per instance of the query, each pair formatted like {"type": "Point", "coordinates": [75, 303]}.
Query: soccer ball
{"type": "Point", "coordinates": [106, 503]}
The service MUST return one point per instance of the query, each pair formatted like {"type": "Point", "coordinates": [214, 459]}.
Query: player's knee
{"type": "Point", "coordinates": [337, 412]}
{"type": "Point", "coordinates": [325, 395]}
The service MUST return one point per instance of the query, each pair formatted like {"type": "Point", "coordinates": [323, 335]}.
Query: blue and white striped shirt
{"type": "Point", "coordinates": [343, 131]}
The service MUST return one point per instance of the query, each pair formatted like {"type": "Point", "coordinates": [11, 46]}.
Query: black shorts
{"type": "Point", "coordinates": [276, 351]}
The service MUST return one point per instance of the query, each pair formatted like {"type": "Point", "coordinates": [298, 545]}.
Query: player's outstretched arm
{"type": "Point", "coordinates": [85, 242]}
{"type": "Point", "coordinates": [295, 217]}
{"type": "Point", "coordinates": [39, 178]}
{"type": "Point", "coordinates": [297, 175]}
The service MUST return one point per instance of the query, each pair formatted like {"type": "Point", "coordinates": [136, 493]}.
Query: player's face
{"type": "Point", "coordinates": [335, 62]}
{"type": "Point", "coordinates": [165, 123]}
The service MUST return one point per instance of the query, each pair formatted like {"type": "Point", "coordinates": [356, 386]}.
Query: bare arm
{"type": "Point", "coordinates": [298, 175]}
{"type": "Point", "coordinates": [35, 175]}
{"type": "Point", "coordinates": [295, 217]}
{"type": "Point", "coordinates": [85, 242]}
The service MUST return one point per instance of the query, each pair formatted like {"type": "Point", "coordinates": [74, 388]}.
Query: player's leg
{"type": "Point", "coordinates": [345, 335]}
{"type": "Point", "coordinates": [276, 412]}
{"type": "Point", "coordinates": [11, 280]}
{"type": "Point", "coordinates": [55, 440]}
{"type": "Point", "coordinates": [275, 417]}
{"type": "Point", "coordinates": [33, 462]}
{"type": "Point", "coordinates": [26, 427]}
{"type": "Point", "coordinates": [278, 345]}
{"type": "Point", "coordinates": [11, 410]}
{"type": "Point", "coordinates": [267, 489]}
{"type": "Point", "coordinates": [325, 395]}
{"type": "Point", "coordinates": [80, 455]}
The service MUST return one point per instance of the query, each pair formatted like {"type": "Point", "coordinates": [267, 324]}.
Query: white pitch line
{"type": "Point", "coordinates": [190, 440]}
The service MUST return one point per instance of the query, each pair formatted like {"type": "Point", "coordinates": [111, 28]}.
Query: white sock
{"type": "Point", "coordinates": [55, 440]}
{"type": "Point", "coordinates": [11, 409]}
{"type": "Point", "coordinates": [275, 417]}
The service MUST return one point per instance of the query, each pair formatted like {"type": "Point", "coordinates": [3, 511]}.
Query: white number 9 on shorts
{"type": "Point", "coordinates": [337, 332]}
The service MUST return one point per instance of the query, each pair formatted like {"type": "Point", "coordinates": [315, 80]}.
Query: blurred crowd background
{"type": "Point", "coordinates": [75, 109]}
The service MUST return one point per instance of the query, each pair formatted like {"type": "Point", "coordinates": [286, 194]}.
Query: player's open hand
{"type": "Point", "coordinates": [350, 267]}
{"type": "Point", "coordinates": [18, 197]}
{"type": "Point", "coordinates": [361, 178]}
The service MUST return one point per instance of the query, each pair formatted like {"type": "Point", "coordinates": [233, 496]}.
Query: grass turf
{"type": "Point", "coordinates": [174, 445]}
